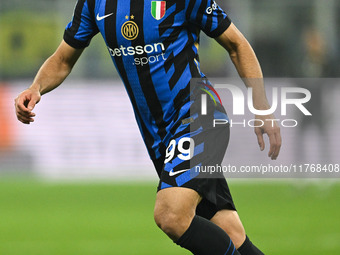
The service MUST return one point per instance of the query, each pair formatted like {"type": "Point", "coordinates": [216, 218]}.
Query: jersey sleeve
{"type": "Point", "coordinates": [82, 28]}
{"type": "Point", "coordinates": [208, 16]}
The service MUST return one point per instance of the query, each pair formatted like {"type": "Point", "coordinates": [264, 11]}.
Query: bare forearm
{"type": "Point", "coordinates": [245, 61]}
{"type": "Point", "coordinates": [246, 64]}
{"type": "Point", "coordinates": [51, 74]}
{"type": "Point", "coordinates": [249, 69]}
{"type": "Point", "coordinates": [56, 68]}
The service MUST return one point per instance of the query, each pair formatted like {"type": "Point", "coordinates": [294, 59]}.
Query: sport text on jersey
{"type": "Point", "coordinates": [155, 53]}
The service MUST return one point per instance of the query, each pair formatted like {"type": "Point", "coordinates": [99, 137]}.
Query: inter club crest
{"type": "Point", "coordinates": [158, 9]}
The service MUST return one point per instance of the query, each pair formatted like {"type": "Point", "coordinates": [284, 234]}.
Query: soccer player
{"type": "Point", "coordinates": [154, 46]}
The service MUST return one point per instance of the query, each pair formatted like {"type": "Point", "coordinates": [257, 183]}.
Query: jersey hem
{"type": "Point", "coordinates": [223, 26]}
{"type": "Point", "coordinates": [70, 40]}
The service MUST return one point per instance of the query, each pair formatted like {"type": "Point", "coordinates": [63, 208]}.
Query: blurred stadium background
{"type": "Point", "coordinates": [79, 180]}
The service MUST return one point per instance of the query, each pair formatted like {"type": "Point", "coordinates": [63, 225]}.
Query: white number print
{"type": "Point", "coordinates": [186, 153]}
{"type": "Point", "coordinates": [212, 8]}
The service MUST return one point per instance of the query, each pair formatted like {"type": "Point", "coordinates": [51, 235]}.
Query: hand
{"type": "Point", "coordinates": [25, 103]}
{"type": "Point", "coordinates": [271, 128]}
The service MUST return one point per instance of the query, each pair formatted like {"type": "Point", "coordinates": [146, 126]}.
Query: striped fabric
{"type": "Point", "coordinates": [152, 45]}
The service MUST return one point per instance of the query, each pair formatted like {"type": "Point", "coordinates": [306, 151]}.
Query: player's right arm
{"type": "Point", "coordinates": [51, 74]}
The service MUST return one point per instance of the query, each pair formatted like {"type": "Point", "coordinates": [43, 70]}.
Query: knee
{"type": "Point", "coordinates": [230, 222]}
{"type": "Point", "coordinates": [174, 224]}
{"type": "Point", "coordinates": [237, 235]}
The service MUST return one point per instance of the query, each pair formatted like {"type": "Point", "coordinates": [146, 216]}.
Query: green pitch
{"type": "Point", "coordinates": [39, 218]}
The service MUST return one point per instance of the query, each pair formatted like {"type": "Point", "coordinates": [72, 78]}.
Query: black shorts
{"type": "Point", "coordinates": [196, 144]}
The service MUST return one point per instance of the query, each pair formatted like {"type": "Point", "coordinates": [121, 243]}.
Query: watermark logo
{"type": "Point", "coordinates": [284, 96]}
{"type": "Point", "coordinates": [209, 90]}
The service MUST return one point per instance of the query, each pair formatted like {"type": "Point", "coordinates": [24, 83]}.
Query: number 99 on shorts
{"type": "Point", "coordinates": [183, 149]}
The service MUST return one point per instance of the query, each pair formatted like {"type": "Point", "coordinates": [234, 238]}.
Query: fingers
{"type": "Point", "coordinates": [279, 143]}
{"type": "Point", "coordinates": [31, 105]}
{"type": "Point", "coordinates": [274, 140]}
{"type": "Point", "coordinates": [25, 118]}
{"type": "Point", "coordinates": [275, 143]}
{"type": "Point", "coordinates": [24, 105]}
{"type": "Point", "coordinates": [260, 140]}
{"type": "Point", "coordinates": [20, 104]}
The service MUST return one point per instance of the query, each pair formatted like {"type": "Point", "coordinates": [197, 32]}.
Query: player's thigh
{"type": "Point", "coordinates": [230, 222]}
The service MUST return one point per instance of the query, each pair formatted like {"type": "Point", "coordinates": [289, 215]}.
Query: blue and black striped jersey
{"type": "Point", "coordinates": [154, 46]}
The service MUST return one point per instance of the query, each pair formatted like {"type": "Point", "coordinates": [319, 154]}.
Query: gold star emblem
{"type": "Point", "coordinates": [126, 17]}
{"type": "Point", "coordinates": [132, 17]}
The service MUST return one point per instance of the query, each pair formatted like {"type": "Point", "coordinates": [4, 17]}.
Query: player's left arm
{"type": "Point", "coordinates": [249, 69]}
